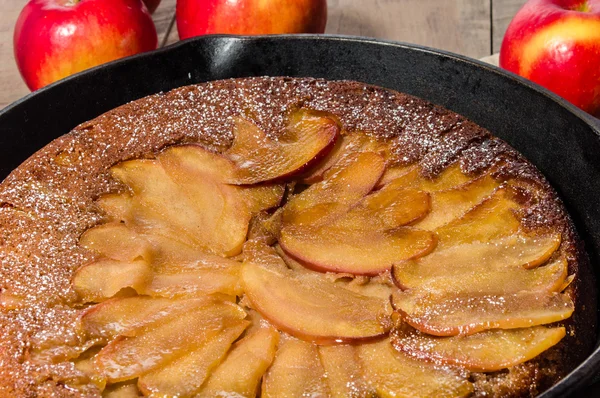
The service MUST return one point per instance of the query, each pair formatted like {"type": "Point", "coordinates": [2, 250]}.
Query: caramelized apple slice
{"type": "Point", "coordinates": [479, 279]}
{"type": "Point", "coordinates": [185, 375]}
{"type": "Point", "coordinates": [345, 146]}
{"type": "Point", "coordinates": [161, 343]}
{"type": "Point", "coordinates": [476, 261]}
{"type": "Point", "coordinates": [307, 138]}
{"type": "Point", "coordinates": [354, 247]}
{"type": "Point", "coordinates": [196, 283]}
{"type": "Point", "coordinates": [309, 306]}
{"type": "Point", "coordinates": [116, 241]}
{"type": "Point", "coordinates": [296, 372]}
{"type": "Point", "coordinates": [197, 211]}
{"type": "Point", "coordinates": [460, 314]}
{"type": "Point", "coordinates": [122, 390]}
{"type": "Point", "coordinates": [390, 208]}
{"type": "Point", "coordinates": [344, 375]}
{"type": "Point", "coordinates": [453, 203]}
{"type": "Point", "coordinates": [344, 186]}
{"type": "Point", "coordinates": [451, 177]}
{"type": "Point", "coordinates": [487, 351]}
{"type": "Point", "coordinates": [394, 374]}
{"type": "Point", "coordinates": [493, 218]}
{"type": "Point", "coordinates": [117, 206]}
{"type": "Point", "coordinates": [102, 279]}
{"type": "Point", "coordinates": [124, 316]}
{"type": "Point", "coordinates": [240, 373]}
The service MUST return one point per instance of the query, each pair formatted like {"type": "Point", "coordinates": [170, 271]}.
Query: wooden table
{"type": "Point", "coordinates": [469, 27]}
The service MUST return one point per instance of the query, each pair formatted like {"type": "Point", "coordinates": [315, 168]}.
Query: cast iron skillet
{"type": "Point", "coordinates": [563, 142]}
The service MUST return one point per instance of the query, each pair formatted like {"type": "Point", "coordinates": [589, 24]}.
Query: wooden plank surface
{"type": "Point", "coordinates": [461, 26]}
{"type": "Point", "coordinates": [503, 12]}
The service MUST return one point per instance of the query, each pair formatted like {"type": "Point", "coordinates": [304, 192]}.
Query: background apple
{"type": "Point", "coordinates": [556, 43]}
{"type": "Point", "coordinates": [56, 38]}
{"type": "Point", "coordinates": [198, 17]}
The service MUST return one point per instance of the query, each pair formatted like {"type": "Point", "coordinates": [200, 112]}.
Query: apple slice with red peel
{"type": "Point", "coordinates": [103, 279]}
{"type": "Point", "coordinates": [493, 218]}
{"type": "Point", "coordinates": [343, 186]}
{"type": "Point", "coordinates": [295, 372]}
{"type": "Point", "coordinates": [453, 203]}
{"type": "Point", "coordinates": [114, 240]}
{"type": "Point", "coordinates": [394, 374]}
{"type": "Point", "coordinates": [240, 373]}
{"type": "Point", "coordinates": [125, 316]}
{"type": "Point", "coordinates": [162, 343]}
{"type": "Point", "coordinates": [308, 137]}
{"type": "Point", "coordinates": [311, 307]}
{"type": "Point", "coordinates": [185, 375]}
{"type": "Point", "coordinates": [185, 163]}
{"type": "Point", "coordinates": [492, 280]}
{"type": "Point", "coordinates": [390, 208]}
{"type": "Point", "coordinates": [345, 146]}
{"type": "Point", "coordinates": [466, 314]}
{"type": "Point", "coordinates": [487, 351]}
{"type": "Point", "coordinates": [196, 283]}
{"type": "Point", "coordinates": [344, 374]}
{"type": "Point", "coordinates": [477, 261]}
{"type": "Point", "coordinates": [354, 246]}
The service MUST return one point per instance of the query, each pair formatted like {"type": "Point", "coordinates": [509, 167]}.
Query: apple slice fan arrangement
{"type": "Point", "coordinates": [283, 237]}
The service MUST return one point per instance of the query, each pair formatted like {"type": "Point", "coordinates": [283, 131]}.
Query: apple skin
{"type": "Point", "coordinates": [250, 17]}
{"type": "Point", "coordinates": [56, 38]}
{"type": "Point", "coordinates": [556, 43]}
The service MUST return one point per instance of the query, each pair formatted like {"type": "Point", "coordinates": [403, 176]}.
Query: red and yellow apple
{"type": "Point", "coordinates": [250, 17]}
{"type": "Point", "coordinates": [152, 5]}
{"type": "Point", "coordinates": [56, 38]}
{"type": "Point", "coordinates": [556, 43]}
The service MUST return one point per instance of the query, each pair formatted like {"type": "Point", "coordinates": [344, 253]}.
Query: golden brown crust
{"type": "Point", "coordinates": [48, 202]}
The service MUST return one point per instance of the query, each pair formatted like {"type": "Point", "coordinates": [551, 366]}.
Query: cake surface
{"type": "Point", "coordinates": [55, 197]}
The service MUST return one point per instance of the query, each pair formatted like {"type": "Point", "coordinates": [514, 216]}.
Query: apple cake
{"type": "Point", "coordinates": [284, 237]}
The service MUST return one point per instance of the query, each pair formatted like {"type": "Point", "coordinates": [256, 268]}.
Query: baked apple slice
{"type": "Point", "coordinates": [452, 203]}
{"type": "Point", "coordinates": [487, 351]}
{"type": "Point", "coordinates": [295, 372]}
{"type": "Point", "coordinates": [196, 283]}
{"type": "Point", "coordinates": [395, 374]}
{"type": "Point", "coordinates": [493, 218]}
{"type": "Point", "coordinates": [105, 278]}
{"type": "Point", "coordinates": [345, 146]}
{"type": "Point", "coordinates": [184, 376]}
{"type": "Point", "coordinates": [162, 342]}
{"type": "Point", "coordinates": [125, 316]}
{"type": "Point", "coordinates": [241, 371]}
{"type": "Point", "coordinates": [114, 240]}
{"type": "Point", "coordinates": [343, 186]}
{"type": "Point", "coordinates": [311, 307]}
{"type": "Point", "coordinates": [308, 137]}
{"type": "Point", "coordinates": [479, 279]}
{"type": "Point", "coordinates": [411, 177]}
{"type": "Point", "coordinates": [465, 314]}
{"type": "Point", "coordinates": [344, 374]}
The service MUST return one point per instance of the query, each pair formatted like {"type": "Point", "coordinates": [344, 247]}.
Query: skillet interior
{"type": "Point", "coordinates": [561, 141]}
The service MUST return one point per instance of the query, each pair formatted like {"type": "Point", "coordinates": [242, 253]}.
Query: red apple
{"type": "Point", "coordinates": [250, 17]}
{"type": "Point", "coordinates": [556, 43]}
{"type": "Point", "coordinates": [56, 38]}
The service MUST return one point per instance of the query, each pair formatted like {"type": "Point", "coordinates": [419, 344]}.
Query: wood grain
{"type": "Point", "coordinates": [503, 12]}
{"type": "Point", "coordinates": [461, 26]}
